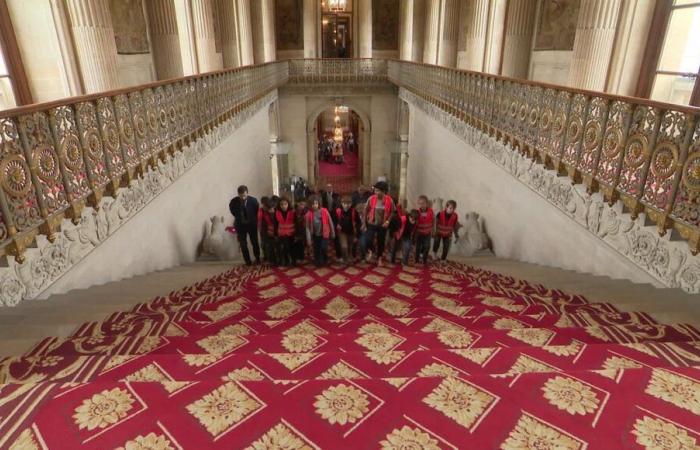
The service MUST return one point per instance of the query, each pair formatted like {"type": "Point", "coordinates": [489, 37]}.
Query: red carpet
{"type": "Point", "coordinates": [362, 357]}
{"type": "Point", "coordinates": [349, 167]}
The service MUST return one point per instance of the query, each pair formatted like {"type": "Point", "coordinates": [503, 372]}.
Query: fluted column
{"type": "Point", "coordinates": [229, 36]}
{"type": "Point", "coordinates": [204, 38]}
{"type": "Point", "coordinates": [520, 23]}
{"type": "Point", "coordinates": [96, 50]}
{"type": "Point", "coordinates": [494, 36]}
{"type": "Point", "coordinates": [365, 15]}
{"type": "Point", "coordinates": [593, 46]}
{"type": "Point", "coordinates": [475, 23]}
{"type": "Point", "coordinates": [432, 31]}
{"type": "Point", "coordinates": [449, 32]}
{"type": "Point", "coordinates": [245, 32]}
{"type": "Point", "coordinates": [268, 26]}
{"type": "Point", "coordinates": [256, 21]}
{"type": "Point", "coordinates": [162, 23]}
{"type": "Point", "coordinates": [310, 29]}
{"type": "Point", "coordinates": [406, 30]}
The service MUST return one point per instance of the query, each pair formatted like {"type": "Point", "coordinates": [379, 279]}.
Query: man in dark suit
{"type": "Point", "coordinates": [330, 199]}
{"type": "Point", "coordinates": [245, 212]}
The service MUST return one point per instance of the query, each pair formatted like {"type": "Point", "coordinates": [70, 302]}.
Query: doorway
{"type": "Point", "coordinates": [338, 156]}
{"type": "Point", "coordinates": [336, 32]}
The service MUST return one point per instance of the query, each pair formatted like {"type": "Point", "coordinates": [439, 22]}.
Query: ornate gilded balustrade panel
{"type": "Point", "coordinates": [55, 159]}
{"type": "Point", "coordinates": [326, 71]}
{"type": "Point", "coordinates": [645, 153]}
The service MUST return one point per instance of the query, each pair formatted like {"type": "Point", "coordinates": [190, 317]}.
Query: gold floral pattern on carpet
{"type": "Point", "coordinates": [342, 404]}
{"type": "Point", "coordinates": [103, 409]}
{"type": "Point", "coordinates": [459, 401]}
{"type": "Point", "coordinates": [223, 407]}
{"type": "Point", "coordinates": [570, 395]}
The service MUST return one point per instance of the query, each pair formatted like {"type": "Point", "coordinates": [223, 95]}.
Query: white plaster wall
{"type": "Point", "coordinates": [293, 131]}
{"type": "Point", "coordinates": [38, 43]}
{"type": "Point", "coordinates": [522, 225]}
{"type": "Point", "coordinates": [550, 66]}
{"type": "Point", "coordinates": [168, 230]}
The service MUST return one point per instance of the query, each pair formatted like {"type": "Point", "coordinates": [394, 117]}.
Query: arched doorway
{"type": "Point", "coordinates": [339, 135]}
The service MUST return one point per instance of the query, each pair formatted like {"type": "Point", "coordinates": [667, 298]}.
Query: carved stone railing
{"type": "Point", "coordinates": [337, 71]}
{"type": "Point", "coordinates": [644, 153]}
{"type": "Point", "coordinates": [56, 158]}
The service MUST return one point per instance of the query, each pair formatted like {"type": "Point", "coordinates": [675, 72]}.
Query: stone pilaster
{"type": "Point", "coordinates": [520, 22]}
{"type": "Point", "coordinates": [205, 40]}
{"type": "Point", "coordinates": [162, 23]}
{"type": "Point", "coordinates": [245, 32]}
{"type": "Point", "coordinates": [432, 31]}
{"type": "Point", "coordinates": [475, 18]}
{"type": "Point", "coordinates": [268, 27]}
{"type": "Point", "coordinates": [91, 25]}
{"type": "Point", "coordinates": [311, 29]}
{"type": "Point", "coordinates": [495, 36]}
{"type": "Point", "coordinates": [406, 31]}
{"type": "Point", "coordinates": [229, 35]}
{"type": "Point", "coordinates": [449, 32]}
{"type": "Point", "coordinates": [365, 15]}
{"type": "Point", "coordinates": [593, 46]}
{"type": "Point", "coordinates": [630, 43]}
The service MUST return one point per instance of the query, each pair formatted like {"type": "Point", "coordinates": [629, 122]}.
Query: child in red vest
{"type": "Point", "coordinates": [405, 236]}
{"type": "Point", "coordinates": [285, 232]}
{"type": "Point", "coordinates": [319, 230]}
{"type": "Point", "coordinates": [424, 229]}
{"type": "Point", "coordinates": [348, 225]}
{"type": "Point", "coordinates": [447, 224]}
{"type": "Point", "coordinates": [268, 231]}
{"type": "Point", "coordinates": [378, 212]}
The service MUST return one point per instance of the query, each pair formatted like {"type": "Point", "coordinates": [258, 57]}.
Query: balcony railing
{"type": "Point", "coordinates": [55, 158]}
{"type": "Point", "coordinates": [645, 153]}
{"type": "Point", "coordinates": [330, 71]}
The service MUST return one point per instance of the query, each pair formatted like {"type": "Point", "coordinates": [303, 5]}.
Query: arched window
{"type": "Point", "coordinates": [671, 68]}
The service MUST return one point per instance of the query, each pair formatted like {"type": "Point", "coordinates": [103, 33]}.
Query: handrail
{"type": "Point", "coordinates": [642, 152]}
{"type": "Point", "coordinates": [57, 157]}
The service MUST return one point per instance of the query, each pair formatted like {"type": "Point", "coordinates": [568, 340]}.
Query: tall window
{"type": "Point", "coordinates": [675, 79]}
{"type": "Point", "coordinates": [7, 95]}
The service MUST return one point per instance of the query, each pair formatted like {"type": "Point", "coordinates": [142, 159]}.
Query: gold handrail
{"type": "Point", "coordinates": [643, 152]}
{"type": "Point", "coordinates": [59, 156]}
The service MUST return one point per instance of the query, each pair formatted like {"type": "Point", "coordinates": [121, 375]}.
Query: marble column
{"type": "Point", "coordinates": [449, 33]}
{"type": "Point", "coordinates": [365, 16]}
{"type": "Point", "coordinates": [256, 22]}
{"type": "Point", "coordinates": [310, 29]}
{"type": "Point", "coordinates": [406, 30]}
{"type": "Point", "coordinates": [630, 43]}
{"type": "Point", "coordinates": [520, 23]}
{"type": "Point", "coordinates": [229, 34]}
{"type": "Point", "coordinates": [91, 25]}
{"type": "Point", "coordinates": [403, 132]}
{"type": "Point", "coordinates": [593, 46]}
{"type": "Point", "coordinates": [245, 32]}
{"type": "Point", "coordinates": [431, 36]}
{"type": "Point", "coordinates": [66, 47]}
{"type": "Point", "coordinates": [418, 30]}
{"type": "Point", "coordinates": [494, 36]}
{"type": "Point", "coordinates": [475, 18]}
{"type": "Point", "coordinates": [205, 41]}
{"type": "Point", "coordinates": [162, 23]}
{"type": "Point", "coordinates": [268, 30]}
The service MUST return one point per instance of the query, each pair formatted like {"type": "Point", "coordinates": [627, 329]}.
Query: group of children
{"type": "Point", "coordinates": [360, 231]}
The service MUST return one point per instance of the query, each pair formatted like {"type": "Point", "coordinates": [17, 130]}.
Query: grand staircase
{"type": "Point", "coordinates": [448, 356]}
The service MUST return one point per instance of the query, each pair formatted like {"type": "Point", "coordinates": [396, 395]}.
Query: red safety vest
{"type": "Point", "coordinates": [425, 222]}
{"type": "Point", "coordinates": [445, 226]}
{"type": "Point", "coordinates": [373, 203]}
{"type": "Point", "coordinates": [339, 212]}
{"type": "Point", "coordinates": [399, 233]}
{"type": "Point", "coordinates": [269, 224]}
{"type": "Point", "coordinates": [285, 225]}
{"type": "Point", "coordinates": [325, 222]}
